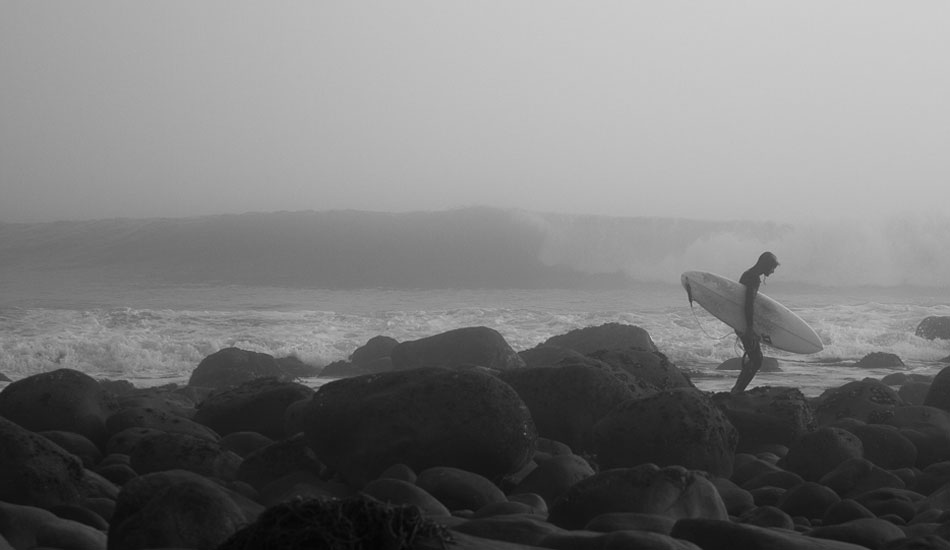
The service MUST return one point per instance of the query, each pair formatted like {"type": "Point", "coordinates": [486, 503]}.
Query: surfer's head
{"type": "Point", "coordinates": [766, 264]}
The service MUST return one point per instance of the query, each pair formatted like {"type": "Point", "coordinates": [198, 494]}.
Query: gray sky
{"type": "Point", "coordinates": [714, 110]}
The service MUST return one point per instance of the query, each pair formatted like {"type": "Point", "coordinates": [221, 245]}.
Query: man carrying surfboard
{"type": "Point", "coordinates": [751, 342]}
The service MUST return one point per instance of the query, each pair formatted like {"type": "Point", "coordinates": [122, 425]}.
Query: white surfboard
{"type": "Point", "coordinates": [775, 323]}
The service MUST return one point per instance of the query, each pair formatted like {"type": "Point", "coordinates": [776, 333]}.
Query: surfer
{"type": "Point", "coordinates": [751, 342]}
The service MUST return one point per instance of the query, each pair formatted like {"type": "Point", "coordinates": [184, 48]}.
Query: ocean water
{"type": "Point", "coordinates": [152, 334]}
{"type": "Point", "coordinates": [146, 300]}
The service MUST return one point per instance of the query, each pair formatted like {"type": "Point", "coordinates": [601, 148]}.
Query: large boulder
{"type": "Point", "coordinates": [233, 366]}
{"type": "Point", "coordinates": [565, 402]}
{"type": "Point", "coordinates": [868, 400]}
{"type": "Point", "coordinates": [939, 393]}
{"type": "Point", "coordinates": [156, 419]}
{"type": "Point", "coordinates": [880, 360]}
{"type": "Point", "coordinates": [673, 491]}
{"type": "Point", "coordinates": [819, 452]}
{"type": "Point", "coordinates": [177, 509]}
{"type": "Point", "coordinates": [767, 415]}
{"type": "Point", "coordinates": [609, 336]}
{"type": "Point", "coordinates": [63, 399]}
{"type": "Point", "coordinates": [32, 527]}
{"type": "Point", "coordinates": [928, 428]}
{"type": "Point", "coordinates": [35, 471]}
{"type": "Point", "coordinates": [676, 427]}
{"type": "Point", "coordinates": [883, 444]}
{"type": "Point", "coordinates": [651, 369]}
{"type": "Point", "coordinates": [467, 346]}
{"type": "Point", "coordinates": [421, 418]}
{"type": "Point", "coordinates": [934, 327]}
{"type": "Point", "coordinates": [173, 451]}
{"type": "Point", "coordinates": [377, 347]}
{"type": "Point", "coordinates": [254, 406]}
{"type": "Point", "coordinates": [278, 459]}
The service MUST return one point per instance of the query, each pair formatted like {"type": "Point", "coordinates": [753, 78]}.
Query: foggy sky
{"type": "Point", "coordinates": [712, 110]}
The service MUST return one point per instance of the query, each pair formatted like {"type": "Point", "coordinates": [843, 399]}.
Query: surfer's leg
{"type": "Point", "coordinates": [751, 362]}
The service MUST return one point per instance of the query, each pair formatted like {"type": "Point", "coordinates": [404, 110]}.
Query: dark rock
{"type": "Point", "coordinates": [651, 370]}
{"type": "Point", "coordinates": [737, 500]}
{"type": "Point", "coordinates": [565, 402]}
{"type": "Point", "coordinates": [672, 491]}
{"type": "Point", "coordinates": [255, 406]}
{"type": "Point", "coordinates": [769, 364]}
{"type": "Point", "coordinates": [278, 459]}
{"type": "Point", "coordinates": [883, 444]}
{"type": "Point", "coordinates": [459, 489]}
{"type": "Point", "coordinates": [921, 542]}
{"type": "Point", "coordinates": [33, 527]}
{"type": "Point", "coordinates": [747, 466]}
{"type": "Point", "coordinates": [63, 399]}
{"type": "Point", "coordinates": [845, 510]}
{"type": "Point", "coordinates": [363, 522]}
{"type": "Point", "coordinates": [856, 476]}
{"type": "Point", "coordinates": [177, 510]}
{"type": "Point", "coordinates": [573, 540]}
{"type": "Point", "coordinates": [879, 360]}
{"type": "Point", "coordinates": [524, 529]}
{"type": "Point", "coordinates": [377, 347]}
{"type": "Point", "coordinates": [933, 328]}
{"type": "Point", "coordinates": [117, 387]}
{"type": "Point", "coordinates": [35, 471]}
{"type": "Point", "coordinates": [778, 478]}
{"type": "Point", "coordinates": [808, 499]}
{"type": "Point", "coordinates": [301, 485]}
{"type": "Point", "coordinates": [868, 532]}
{"type": "Point", "coordinates": [867, 400]}
{"type": "Point", "coordinates": [609, 336]}
{"type": "Point", "coordinates": [77, 445]}
{"type": "Point", "coordinates": [344, 369]}
{"type": "Point", "coordinates": [233, 366]}
{"type": "Point", "coordinates": [928, 428]}
{"type": "Point", "coordinates": [820, 452]}
{"type": "Point", "coordinates": [654, 523]}
{"type": "Point", "coordinates": [675, 427]}
{"type": "Point", "coordinates": [767, 495]}
{"type": "Point", "coordinates": [244, 443]}
{"type": "Point", "coordinates": [725, 535]}
{"type": "Point", "coordinates": [913, 392]}
{"type": "Point", "coordinates": [171, 451]}
{"type": "Point", "coordinates": [421, 418]}
{"type": "Point", "coordinates": [939, 394]}
{"type": "Point", "coordinates": [553, 356]}
{"type": "Point", "coordinates": [900, 502]}
{"type": "Point", "coordinates": [554, 476]}
{"type": "Point", "coordinates": [293, 367]}
{"type": "Point", "coordinates": [767, 516]}
{"type": "Point", "coordinates": [479, 346]}
{"type": "Point", "coordinates": [157, 419]}
{"type": "Point", "coordinates": [767, 415]}
{"type": "Point", "coordinates": [404, 493]}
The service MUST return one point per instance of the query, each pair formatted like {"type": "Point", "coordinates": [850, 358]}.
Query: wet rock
{"type": "Point", "coordinates": [32, 527]}
{"type": "Point", "coordinates": [939, 394]}
{"type": "Point", "coordinates": [654, 523]}
{"type": "Point", "coordinates": [278, 459]}
{"type": "Point", "coordinates": [726, 535]}
{"type": "Point", "coordinates": [77, 445]}
{"type": "Point", "coordinates": [293, 367]}
{"type": "Point", "coordinates": [868, 532]}
{"type": "Point", "coordinates": [63, 399]}
{"type": "Point", "coordinates": [572, 540]}
{"type": "Point", "coordinates": [609, 336]}
{"type": "Point", "coordinates": [35, 471]}
{"type": "Point", "coordinates": [821, 451]}
{"type": "Point", "coordinates": [672, 491]}
{"type": "Point", "coordinates": [845, 510]}
{"type": "Point", "coordinates": [737, 500]}
{"type": "Point", "coordinates": [171, 451]}
{"type": "Point", "coordinates": [399, 492]}
{"type": "Point", "coordinates": [899, 502]}
{"type": "Point", "coordinates": [934, 327]}
{"type": "Point", "coordinates": [524, 529]}
{"type": "Point", "coordinates": [245, 443]}
{"type": "Point", "coordinates": [766, 414]}
{"type": "Point", "coordinates": [914, 392]}
{"type": "Point", "coordinates": [566, 401]}
{"type": "Point", "coordinates": [256, 406]}
{"type": "Point", "coordinates": [651, 370]}
{"type": "Point", "coordinates": [554, 356]}
{"type": "Point", "coordinates": [479, 346]}
{"type": "Point", "coordinates": [554, 476]}
{"type": "Point", "coordinates": [233, 366]}
{"type": "Point", "coordinates": [459, 489]}
{"type": "Point", "coordinates": [157, 419]}
{"type": "Point", "coordinates": [377, 347]}
{"type": "Point", "coordinates": [421, 418]}
{"type": "Point", "coordinates": [808, 499]}
{"type": "Point", "coordinates": [928, 428]}
{"type": "Point", "coordinates": [856, 476]}
{"type": "Point", "coordinates": [177, 510]}
{"type": "Point", "coordinates": [883, 444]}
{"type": "Point", "coordinates": [343, 369]}
{"type": "Point", "coordinates": [767, 516]}
{"type": "Point", "coordinates": [879, 360]}
{"type": "Point", "coordinates": [675, 427]}
{"type": "Point", "coordinates": [867, 400]}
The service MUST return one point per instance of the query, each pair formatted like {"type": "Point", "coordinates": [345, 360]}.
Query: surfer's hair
{"type": "Point", "coordinates": [766, 260]}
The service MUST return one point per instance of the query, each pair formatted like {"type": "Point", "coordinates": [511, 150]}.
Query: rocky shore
{"type": "Point", "coordinates": [592, 440]}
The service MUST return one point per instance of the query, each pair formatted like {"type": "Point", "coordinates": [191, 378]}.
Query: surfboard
{"type": "Point", "coordinates": [778, 326]}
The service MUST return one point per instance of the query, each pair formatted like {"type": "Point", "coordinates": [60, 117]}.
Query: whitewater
{"type": "Point", "coordinates": [137, 310]}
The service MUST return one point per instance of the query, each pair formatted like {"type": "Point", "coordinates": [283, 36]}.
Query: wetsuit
{"type": "Point", "coordinates": [752, 357]}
